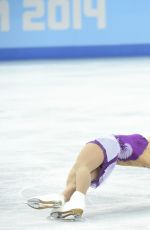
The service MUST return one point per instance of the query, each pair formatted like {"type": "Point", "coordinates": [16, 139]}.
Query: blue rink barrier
{"type": "Point", "coordinates": [37, 29]}
{"type": "Point", "coordinates": [74, 52]}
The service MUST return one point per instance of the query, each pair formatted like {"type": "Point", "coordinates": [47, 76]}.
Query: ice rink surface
{"type": "Point", "coordinates": [48, 111]}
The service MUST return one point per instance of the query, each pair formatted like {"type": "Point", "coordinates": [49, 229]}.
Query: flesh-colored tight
{"type": "Point", "coordinates": [84, 170]}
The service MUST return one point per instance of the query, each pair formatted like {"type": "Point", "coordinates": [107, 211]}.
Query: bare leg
{"type": "Point", "coordinates": [70, 185]}
{"type": "Point", "coordinates": [84, 170]}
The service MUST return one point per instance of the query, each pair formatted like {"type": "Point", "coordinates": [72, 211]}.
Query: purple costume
{"type": "Point", "coordinates": [118, 147]}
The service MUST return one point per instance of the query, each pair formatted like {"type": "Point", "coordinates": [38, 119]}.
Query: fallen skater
{"type": "Point", "coordinates": [93, 165]}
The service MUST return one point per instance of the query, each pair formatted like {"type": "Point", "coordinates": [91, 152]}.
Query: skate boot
{"type": "Point", "coordinates": [47, 201]}
{"type": "Point", "coordinates": [73, 209]}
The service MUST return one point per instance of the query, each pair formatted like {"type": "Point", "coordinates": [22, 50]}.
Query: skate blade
{"type": "Point", "coordinates": [40, 204]}
{"type": "Point", "coordinates": [71, 215]}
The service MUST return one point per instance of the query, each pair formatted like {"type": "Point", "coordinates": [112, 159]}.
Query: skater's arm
{"type": "Point", "coordinates": [142, 161]}
{"type": "Point", "coordinates": [135, 163]}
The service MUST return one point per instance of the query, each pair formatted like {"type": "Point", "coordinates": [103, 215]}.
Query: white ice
{"type": "Point", "coordinates": [48, 111]}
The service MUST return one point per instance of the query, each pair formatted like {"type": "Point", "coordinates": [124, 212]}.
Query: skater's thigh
{"type": "Point", "coordinates": [95, 174]}
{"type": "Point", "coordinates": [91, 156]}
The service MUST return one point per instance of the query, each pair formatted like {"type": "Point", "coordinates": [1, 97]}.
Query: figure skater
{"type": "Point", "coordinates": [93, 165]}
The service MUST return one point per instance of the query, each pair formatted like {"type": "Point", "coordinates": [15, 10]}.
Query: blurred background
{"type": "Point", "coordinates": [73, 28]}
{"type": "Point", "coordinates": [71, 70]}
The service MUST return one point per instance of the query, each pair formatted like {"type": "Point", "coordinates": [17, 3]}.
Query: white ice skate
{"type": "Point", "coordinates": [47, 201]}
{"type": "Point", "coordinates": [73, 209]}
